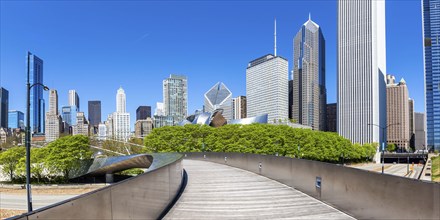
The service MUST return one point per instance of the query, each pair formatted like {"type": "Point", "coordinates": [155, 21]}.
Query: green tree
{"type": "Point", "coordinates": [10, 158]}
{"type": "Point", "coordinates": [65, 154]}
{"type": "Point", "coordinates": [38, 163]}
{"type": "Point", "coordinates": [391, 147]}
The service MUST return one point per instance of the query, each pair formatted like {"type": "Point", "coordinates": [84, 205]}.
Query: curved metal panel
{"type": "Point", "coordinates": [202, 118]}
{"type": "Point", "coordinates": [262, 119]}
{"type": "Point", "coordinates": [142, 197]}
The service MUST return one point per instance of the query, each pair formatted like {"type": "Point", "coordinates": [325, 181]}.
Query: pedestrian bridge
{"type": "Point", "coordinates": [250, 186]}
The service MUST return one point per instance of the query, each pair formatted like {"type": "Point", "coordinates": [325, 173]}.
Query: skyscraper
{"type": "Point", "coordinates": [239, 107]}
{"type": "Point", "coordinates": [160, 110]}
{"type": "Point", "coordinates": [120, 100]}
{"type": "Point", "coordinates": [431, 49]}
{"type": "Point", "coordinates": [143, 127]}
{"type": "Point", "coordinates": [411, 122]}
{"type": "Point", "coordinates": [68, 113]}
{"type": "Point", "coordinates": [397, 113]}
{"type": "Point", "coordinates": [16, 119]}
{"type": "Point", "coordinates": [82, 126]}
{"type": "Point", "coordinates": [143, 112]}
{"type": "Point", "coordinates": [175, 96]}
{"type": "Point", "coordinates": [53, 119]}
{"type": "Point", "coordinates": [309, 91]}
{"type": "Point", "coordinates": [331, 117]}
{"type": "Point", "coordinates": [267, 88]}
{"type": "Point", "coordinates": [37, 104]}
{"type": "Point", "coordinates": [121, 118]}
{"type": "Point", "coordinates": [219, 97]}
{"type": "Point", "coordinates": [4, 107]}
{"type": "Point", "coordinates": [94, 109]}
{"type": "Point", "coordinates": [74, 99]}
{"type": "Point", "coordinates": [420, 130]}
{"type": "Point", "coordinates": [361, 67]}
{"type": "Point", "coordinates": [291, 98]}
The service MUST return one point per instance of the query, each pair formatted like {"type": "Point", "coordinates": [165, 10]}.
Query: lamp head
{"type": "Point", "coordinates": [46, 88]}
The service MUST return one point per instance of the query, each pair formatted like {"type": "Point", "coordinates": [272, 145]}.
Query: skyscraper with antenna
{"type": "Point", "coordinates": [267, 86]}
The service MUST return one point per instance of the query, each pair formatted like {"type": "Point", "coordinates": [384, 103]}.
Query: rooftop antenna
{"type": "Point", "coordinates": [310, 16]}
{"type": "Point", "coordinates": [275, 37]}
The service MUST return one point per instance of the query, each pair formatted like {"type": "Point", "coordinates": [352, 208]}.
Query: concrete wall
{"type": "Point", "coordinates": [141, 197]}
{"type": "Point", "coordinates": [362, 194]}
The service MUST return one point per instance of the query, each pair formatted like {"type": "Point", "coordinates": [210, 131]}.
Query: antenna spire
{"type": "Point", "coordinates": [310, 16]}
{"type": "Point", "coordinates": [275, 38]}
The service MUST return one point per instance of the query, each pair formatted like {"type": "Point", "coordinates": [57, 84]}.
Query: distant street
{"type": "Point", "coordinates": [393, 169]}
{"type": "Point", "coordinates": [18, 201]}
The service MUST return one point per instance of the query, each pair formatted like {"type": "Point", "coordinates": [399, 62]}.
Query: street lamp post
{"type": "Point", "coordinates": [383, 141]}
{"type": "Point", "coordinates": [28, 136]}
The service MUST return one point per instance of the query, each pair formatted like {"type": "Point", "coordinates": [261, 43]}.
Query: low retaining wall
{"type": "Point", "coordinates": [362, 194]}
{"type": "Point", "coordinates": [142, 197]}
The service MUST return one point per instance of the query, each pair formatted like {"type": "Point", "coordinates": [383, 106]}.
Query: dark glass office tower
{"type": "Point", "coordinates": [4, 107]}
{"type": "Point", "coordinates": [143, 112]}
{"type": "Point", "coordinates": [431, 49]}
{"type": "Point", "coordinates": [94, 113]}
{"type": "Point", "coordinates": [37, 108]}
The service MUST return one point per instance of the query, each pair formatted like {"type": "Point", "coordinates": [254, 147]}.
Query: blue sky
{"type": "Point", "coordinates": [95, 47]}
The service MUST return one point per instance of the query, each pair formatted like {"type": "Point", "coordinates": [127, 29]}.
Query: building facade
{"type": "Point", "coordinates": [160, 110]}
{"type": "Point", "coordinates": [175, 96]}
{"type": "Point", "coordinates": [143, 127]}
{"type": "Point", "coordinates": [68, 113]}
{"type": "Point", "coordinates": [267, 88]}
{"type": "Point", "coordinates": [121, 118]}
{"type": "Point", "coordinates": [16, 119]}
{"type": "Point", "coordinates": [94, 109]}
{"type": "Point", "coordinates": [331, 117]}
{"type": "Point", "coordinates": [420, 131]}
{"type": "Point", "coordinates": [397, 113]}
{"type": "Point", "coordinates": [121, 101]}
{"type": "Point", "coordinates": [53, 119]}
{"type": "Point", "coordinates": [4, 107]}
{"type": "Point", "coordinates": [37, 105]}
{"type": "Point", "coordinates": [411, 123]}
{"type": "Point", "coordinates": [219, 97]}
{"type": "Point", "coordinates": [239, 107]}
{"type": "Point", "coordinates": [82, 126]}
{"type": "Point", "coordinates": [143, 112]}
{"type": "Point", "coordinates": [361, 69]}
{"type": "Point", "coordinates": [161, 121]}
{"type": "Point", "coordinates": [431, 52]}
{"type": "Point", "coordinates": [309, 91]}
{"type": "Point", "coordinates": [74, 99]}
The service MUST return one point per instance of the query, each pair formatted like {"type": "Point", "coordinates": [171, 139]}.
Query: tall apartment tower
{"type": "Point", "coordinates": [121, 118]}
{"type": "Point", "coordinates": [37, 107]}
{"type": "Point", "coordinates": [4, 107]}
{"type": "Point", "coordinates": [53, 119]}
{"type": "Point", "coordinates": [411, 123]}
{"type": "Point", "coordinates": [431, 49]}
{"type": "Point", "coordinates": [309, 91]}
{"type": "Point", "coordinates": [143, 112]}
{"type": "Point", "coordinates": [219, 97]}
{"type": "Point", "coordinates": [239, 107]}
{"type": "Point", "coordinates": [361, 69]}
{"type": "Point", "coordinates": [94, 109]}
{"type": "Point", "coordinates": [175, 96]}
{"type": "Point", "coordinates": [74, 99]}
{"type": "Point", "coordinates": [398, 113]}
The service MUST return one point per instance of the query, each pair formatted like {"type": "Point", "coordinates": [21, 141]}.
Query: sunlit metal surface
{"type": "Point", "coordinates": [202, 118]}
{"type": "Point", "coordinates": [261, 119]}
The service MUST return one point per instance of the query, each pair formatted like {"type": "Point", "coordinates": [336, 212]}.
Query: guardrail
{"type": "Point", "coordinates": [145, 196]}
{"type": "Point", "coordinates": [362, 194]}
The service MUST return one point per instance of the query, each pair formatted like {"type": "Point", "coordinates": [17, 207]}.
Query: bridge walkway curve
{"type": "Point", "coordinates": [217, 191]}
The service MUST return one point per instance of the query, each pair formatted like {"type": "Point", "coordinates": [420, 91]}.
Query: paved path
{"type": "Point", "coordinates": [217, 191]}
{"type": "Point", "coordinates": [393, 169]}
{"type": "Point", "coordinates": [19, 202]}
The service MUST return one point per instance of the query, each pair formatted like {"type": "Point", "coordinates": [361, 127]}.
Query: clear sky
{"type": "Point", "coordinates": [95, 47]}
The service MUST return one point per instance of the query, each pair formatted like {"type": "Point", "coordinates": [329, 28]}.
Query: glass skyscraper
{"type": "Point", "coordinates": [175, 96]}
{"type": "Point", "coordinates": [68, 113]}
{"type": "Point", "coordinates": [219, 97]}
{"type": "Point", "coordinates": [431, 32]}
{"type": "Point", "coordinates": [4, 107]}
{"type": "Point", "coordinates": [37, 108]}
{"type": "Point", "coordinates": [16, 119]}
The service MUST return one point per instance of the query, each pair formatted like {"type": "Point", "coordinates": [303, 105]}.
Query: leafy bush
{"type": "Point", "coordinates": [259, 139]}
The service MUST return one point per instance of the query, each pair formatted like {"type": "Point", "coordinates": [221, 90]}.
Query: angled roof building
{"type": "Point", "coordinates": [219, 97]}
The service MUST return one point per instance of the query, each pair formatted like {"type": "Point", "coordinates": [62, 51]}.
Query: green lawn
{"type": "Point", "coordinates": [435, 170]}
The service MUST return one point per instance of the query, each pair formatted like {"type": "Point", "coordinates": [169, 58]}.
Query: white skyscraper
{"type": "Point", "coordinates": [267, 88]}
{"type": "Point", "coordinates": [219, 97]}
{"type": "Point", "coordinates": [74, 99]}
{"type": "Point", "coordinates": [160, 111]}
{"type": "Point", "coordinates": [53, 119]}
{"type": "Point", "coordinates": [120, 101]}
{"type": "Point", "coordinates": [121, 118]}
{"type": "Point", "coordinates": [361, 86]}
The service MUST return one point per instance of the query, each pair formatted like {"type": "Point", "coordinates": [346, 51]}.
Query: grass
{"type": "Point", "coordinates": [435, 170]}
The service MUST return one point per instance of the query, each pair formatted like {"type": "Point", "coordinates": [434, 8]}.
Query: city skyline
{"type": "Point", "coordinates": [151, 72]}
